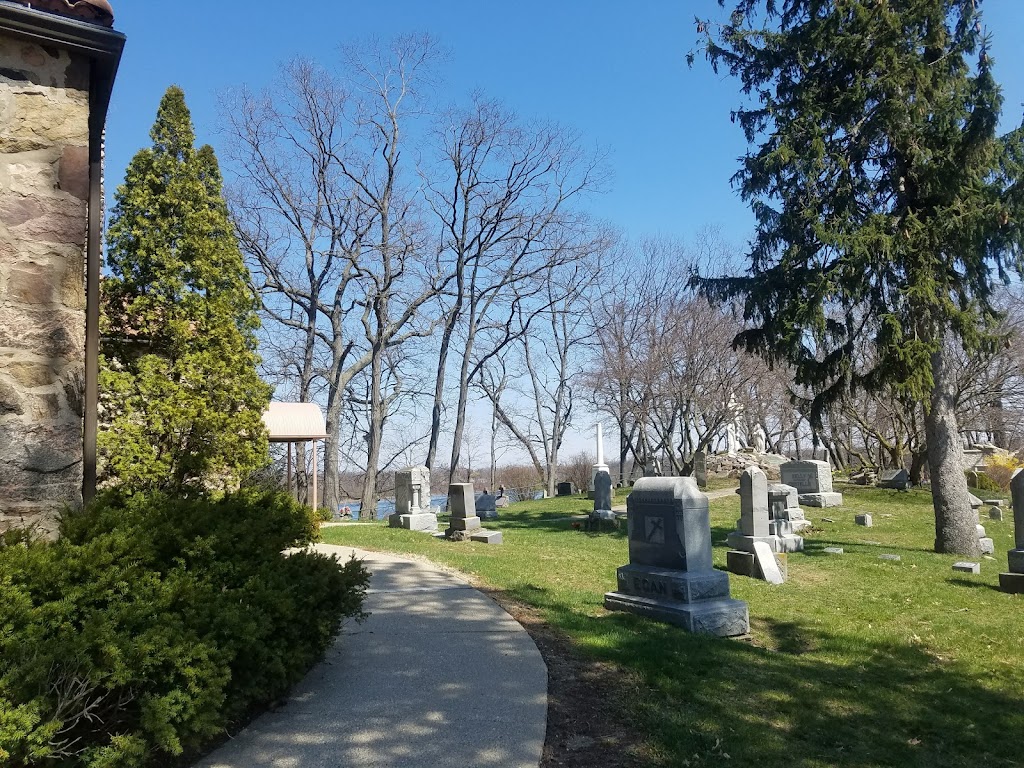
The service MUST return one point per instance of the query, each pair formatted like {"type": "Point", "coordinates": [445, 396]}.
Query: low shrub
{"type": "Point", "coordinates": [999, 469]}
{"type": "Point", "coordinates": [982, 482]}
{"type": "Point", "coordinates": [154, 622]}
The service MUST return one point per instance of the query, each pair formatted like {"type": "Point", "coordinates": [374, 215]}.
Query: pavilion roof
{"type": "Point", "coordinates": [294, 422]}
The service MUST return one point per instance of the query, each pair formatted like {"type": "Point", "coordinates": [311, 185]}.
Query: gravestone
{"type": "Point", "coordinates": [412, 501]}
{"type": "Point", "coordinates": [766, 563]}
{"type": "Point", "coordinates": [985, 544]}
{"type": "Point", "coordinates": [897, 479]}
{"type": "Point", "coordinates": [700, 469]}
{"type": "Point", "coordinates": [964, 567]}
{"type": "Point", "coordinates": [813, 481]}
{"type": "Point", "coordinates": [462, 506]}
{"type": "Point", "coordinates": [566, 489]}
{"type": "Point", "coordinates": [1013, 580]}
{"type": "Point", "coordinates": [602, 491]}
{"type": "Point", "coordinates": [487, 506]}
{"type": "Point", "coordinates": [864, 520]}
{"type": "Point", "coordinates": [784, 505]}
{"type": "Point", "coordinates": [670, 575]}
{"type": "Point", "coordinates": [756, 523]}
{"type": "Point", "coordinates": [995, 513]}
{"type": "Point", "coordinates": [599, 467]}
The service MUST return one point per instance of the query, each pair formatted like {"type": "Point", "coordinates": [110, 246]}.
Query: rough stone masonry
{"type": "Point", "coordinates": [44, 189]}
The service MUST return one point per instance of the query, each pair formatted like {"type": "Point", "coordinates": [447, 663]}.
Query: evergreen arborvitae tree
{"type": "Point", "coordinates": [182, 399]}
{"type": "Point", "coordinates": [885, 200]}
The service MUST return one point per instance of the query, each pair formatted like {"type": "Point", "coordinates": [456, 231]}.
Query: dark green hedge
{"type": "Point", "coordinates": [153, 623]}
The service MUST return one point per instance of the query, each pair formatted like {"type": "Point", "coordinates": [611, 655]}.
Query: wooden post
{"type": "Point", "coordinates": [315, 473]}
{"type": "Point", "coordinates": [289, 445]}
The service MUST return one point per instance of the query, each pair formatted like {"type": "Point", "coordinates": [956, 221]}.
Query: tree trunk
{"type": "Point", "coordinates": [368, 500]}
{"type": "Point", "coordinates": [955, 530]}
{"type": "Point", "coordinates": [918, 459]}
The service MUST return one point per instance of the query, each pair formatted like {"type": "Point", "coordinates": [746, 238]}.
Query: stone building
{"type": "Point", "coordinates": [58, 60]}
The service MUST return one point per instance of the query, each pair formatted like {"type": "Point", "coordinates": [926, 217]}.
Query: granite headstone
{"type": "Point", "coordinates": [412, 501]}
{"type": "Point", "coordinates": [1013, 580]}
{"type": "Point", "coordinates": [670, 575]}
{"type": "Point", "coordinates": [462, 506]}
{"type": "Point", "coordinates": [813, 481]}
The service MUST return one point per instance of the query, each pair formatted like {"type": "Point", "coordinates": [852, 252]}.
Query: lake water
{"type": "Point", "coordinates": [386, 507]}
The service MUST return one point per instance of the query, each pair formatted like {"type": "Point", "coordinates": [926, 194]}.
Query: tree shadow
{"type": "Point", "coordinates": [795, 694]}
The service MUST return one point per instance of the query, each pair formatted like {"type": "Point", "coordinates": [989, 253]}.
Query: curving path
{"type": "Point", "coordinates": [439, 675]}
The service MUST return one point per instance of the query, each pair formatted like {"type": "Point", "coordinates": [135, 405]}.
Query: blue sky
{"type": "Point", "coordinates": [614, 71]}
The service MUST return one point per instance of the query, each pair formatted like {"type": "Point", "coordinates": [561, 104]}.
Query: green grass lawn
{"type": "Point", "coordinates": [853, 662]}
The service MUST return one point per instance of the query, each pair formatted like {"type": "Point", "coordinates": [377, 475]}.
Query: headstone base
{"type": "Point", "coordinates": [464, 523]}
{"type": "Point", "coordinates": [424, 521]}
{"type": "Point", "coordinates": [1015, 557]}
{"type": "Point", "coordinates": [722, 618]}
{"type": "Point", "coordinates": [742, 564]}
{"type": "Point", "coordinates": [487, 537]}
{"type": "Point", "coordinates": [668, 584]}
{"type": "Point", "coordinates": [1012, 583]}
{"type": "Point", "coordinates": [737, 540]}
{"type": "Point", "coordinates": [967, 567]}
{"type": "Point", "coordinates": [822, 500]}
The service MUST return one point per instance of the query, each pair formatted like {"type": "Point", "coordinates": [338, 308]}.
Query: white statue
{"type": "Point", "coordinates": [733, 410]}
{"type": "Point", "coordinates": [760, 439]}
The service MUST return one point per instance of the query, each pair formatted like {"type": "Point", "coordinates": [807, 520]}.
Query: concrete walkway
{"type": "Point", "coordinates": [438, 676]}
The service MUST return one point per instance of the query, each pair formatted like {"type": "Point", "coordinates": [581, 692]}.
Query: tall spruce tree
{"type": "Point", "coordinates": [886, 203]}
{"type": "Point", "coordinates": [182, 398]}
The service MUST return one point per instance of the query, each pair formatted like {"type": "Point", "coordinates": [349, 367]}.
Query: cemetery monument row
{"type": "Point", "coordinates": [670, 576]}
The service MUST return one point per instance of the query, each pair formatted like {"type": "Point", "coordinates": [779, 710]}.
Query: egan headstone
{"type": "Point", "coordinates": [412, 501]}
{"type": "Point", "coordinates": [813, 481]}
{"type": "Point", "coordinates": [670, 575]}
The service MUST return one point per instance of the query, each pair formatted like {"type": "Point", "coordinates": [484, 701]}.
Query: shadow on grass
{"type": "Point", "coordinates": [959, 581]}
{"type": "Point", "coordinates": [796, 695]}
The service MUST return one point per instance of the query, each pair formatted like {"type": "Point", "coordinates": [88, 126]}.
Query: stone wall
{"type": "Point", "coordinates": [44, 188]}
